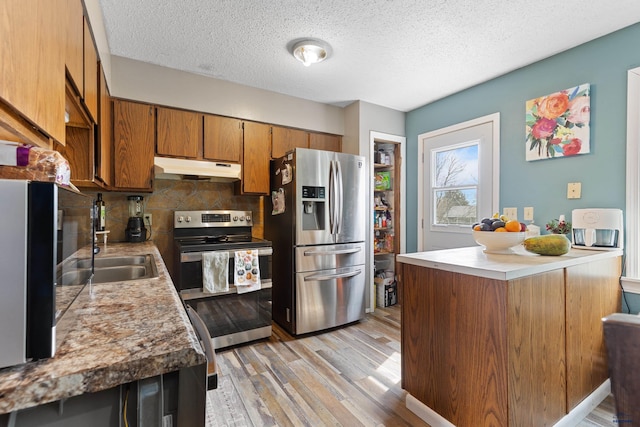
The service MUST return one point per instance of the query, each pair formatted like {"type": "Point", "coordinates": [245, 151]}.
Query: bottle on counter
{"type": "Point", "coordinates": [101, 214]}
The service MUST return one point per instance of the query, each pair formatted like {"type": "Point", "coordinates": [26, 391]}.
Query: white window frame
{"type": "Point", "coordinates": [631, 279]}
{"type": "Point", "coordinates": [495, 147]}
{"type": "Point", "coordinates": [441, 227]}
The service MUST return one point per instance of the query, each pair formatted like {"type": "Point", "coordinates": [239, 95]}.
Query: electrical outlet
{"type": "Point", "coordinates": [148, 219]}
{"type": "Point", "coordinates": [528, 213]}
{"type": "Point", "coordinates": [511, 213]}
{"type": "Point", "coordinates": [574, 190]}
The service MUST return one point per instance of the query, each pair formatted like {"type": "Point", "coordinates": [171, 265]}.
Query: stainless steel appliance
{"type": "Point", "coordinates": [316, 219]}
{"type": "Point", "coordinates": [597, 229]}
{"type": "Point", "coordinates": [231, 317]}
{"type": "Point", "coordinates": [45, 229]}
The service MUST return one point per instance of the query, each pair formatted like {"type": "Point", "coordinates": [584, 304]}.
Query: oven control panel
{"type": "Point", "coordinates": [217, 218]}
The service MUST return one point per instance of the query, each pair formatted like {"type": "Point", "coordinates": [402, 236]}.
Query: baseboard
{"type": "Point", "coordinates": [585, 407]}
{"type": "Point", "coordinates": [578, 413]}
{"type": "Point", "coordinates": [425, 413]}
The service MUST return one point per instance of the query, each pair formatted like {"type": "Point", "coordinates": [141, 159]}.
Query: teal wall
{"type": "Point", "coordinates": [543, 184]}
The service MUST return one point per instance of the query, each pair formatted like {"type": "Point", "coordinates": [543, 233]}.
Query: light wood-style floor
{"type": "Point", "coordinates": [344, 377]}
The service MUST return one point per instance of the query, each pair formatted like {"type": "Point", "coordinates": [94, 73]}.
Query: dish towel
{"type": "Point", "coordinates": [247, 274]}
{"type": "Point", "coordinates": [215, 271]}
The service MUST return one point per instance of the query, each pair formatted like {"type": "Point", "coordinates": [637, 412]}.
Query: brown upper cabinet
{"type": "Point", "coordinates": [104, 146]}
{"type": "Point", "coordinates": [255, 164]}
{"type": "Point", "coordinates": [90, 94]}
{"type": "Point", "coordinates": [284, 140]}
{"type": "Point", "coordinates": [74, 58]}
{"type": "Point", "coordinates": [32, 64]}
{"type": "Point", "coordinates": [222, 138]}
{"type": "Point", "coordinates": [179, 133]}
{"type": "Point", "coordinates": [133, 145]}
{"type": "Point", "coordinates": [323, 141]}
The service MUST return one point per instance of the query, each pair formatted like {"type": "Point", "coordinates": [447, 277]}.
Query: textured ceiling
{"type": "Point", "coordinates": [400, 54]}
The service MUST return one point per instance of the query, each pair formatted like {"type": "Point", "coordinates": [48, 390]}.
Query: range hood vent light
{"type": "Point", "coordinates": [170, 168]}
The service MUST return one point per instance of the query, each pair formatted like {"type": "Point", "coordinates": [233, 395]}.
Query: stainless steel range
{"type": "Point", "coordinates": [233, 312]}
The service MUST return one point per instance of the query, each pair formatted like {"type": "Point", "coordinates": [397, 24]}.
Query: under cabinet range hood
{"type": "Point", "coordinates": [170, 168]}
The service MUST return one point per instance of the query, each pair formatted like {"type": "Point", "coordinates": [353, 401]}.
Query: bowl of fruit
{"type": "Point", "coordinates": [498, 234]}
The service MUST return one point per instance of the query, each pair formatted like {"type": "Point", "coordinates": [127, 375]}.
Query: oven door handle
{"type": "Point", "coordinates": [332, 252]}
{"type": "Point", "coordinates": [324, 277]}
{"type": "Point", "coordinates": [197, 256]}
{"type": "Point", "coordinates": [207, 344]}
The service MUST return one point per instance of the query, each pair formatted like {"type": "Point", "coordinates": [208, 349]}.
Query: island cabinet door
{"type": "Point", "coordinates": [593, 292]}
{"type": "Point", "coordinates": [454, 345]}
{"type": "Point", "coordinates": [537, 387]}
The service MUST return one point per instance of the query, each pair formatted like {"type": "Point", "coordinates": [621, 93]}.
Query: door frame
{"type": "Point", "coordinates": [631, 279]}
{"type": "Point", "coordinates": [494, 119]}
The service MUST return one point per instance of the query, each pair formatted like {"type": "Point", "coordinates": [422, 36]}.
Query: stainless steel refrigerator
{"type": "Point", "coordinates": [316, 218]}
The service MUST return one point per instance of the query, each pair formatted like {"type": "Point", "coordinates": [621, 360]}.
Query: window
{"type": "Point", "coordinates": [455, 184]}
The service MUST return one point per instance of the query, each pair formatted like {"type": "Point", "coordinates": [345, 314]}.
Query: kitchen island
{"type": "Point", "coordinates": [114, 337]}
{"type": "Point", "coordinates": [506, 340]}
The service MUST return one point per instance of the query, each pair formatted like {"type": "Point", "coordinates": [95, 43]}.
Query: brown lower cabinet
{"type": "Point", "coordinates": [133, 145]}
{"type": "Point", "coordinates": [526, 351]}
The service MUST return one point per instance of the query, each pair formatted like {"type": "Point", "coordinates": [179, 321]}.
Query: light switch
{"type": "Point", "coordinates": [528, 213]}
{"type": "Point", "coordinates": [574, 190]}
{"type": "Point", "coordinates": [511, 213]}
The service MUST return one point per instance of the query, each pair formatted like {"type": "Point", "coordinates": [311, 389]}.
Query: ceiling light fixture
{"type": "Point", "coordinates": [310, 51]}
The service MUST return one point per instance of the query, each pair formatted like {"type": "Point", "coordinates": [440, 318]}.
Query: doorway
{"type": "Point", "coordinates": [458, 181]}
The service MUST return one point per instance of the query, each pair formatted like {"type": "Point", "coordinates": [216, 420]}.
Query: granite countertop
{"type": "Point", "coordinates": [473, 261]}
{"type": "Point", "coordinates": [112, 334]}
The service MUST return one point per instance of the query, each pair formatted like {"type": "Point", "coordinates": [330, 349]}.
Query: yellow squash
{"type": "Point", "coordinates": [548, 244]}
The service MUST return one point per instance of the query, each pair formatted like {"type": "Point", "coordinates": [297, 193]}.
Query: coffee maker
{"type": "Point", "coordinates": [136, 231]}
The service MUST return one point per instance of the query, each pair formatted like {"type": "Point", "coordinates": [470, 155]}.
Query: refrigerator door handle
{"type": "Point", "coordinates": [323, 277]}
{"type": "Point", "coordinates": [332, 198]}
{"type": "Point", "coordinates": [340, 191]}
{"type": "Point", "coordinates": [336, 252]}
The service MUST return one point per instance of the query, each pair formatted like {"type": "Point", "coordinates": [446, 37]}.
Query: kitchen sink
{"type": "Point", "coordinates": [111, 269]}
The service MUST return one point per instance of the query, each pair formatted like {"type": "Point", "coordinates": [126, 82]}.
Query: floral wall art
{"type": "Point", "coordinates": [557, 125]}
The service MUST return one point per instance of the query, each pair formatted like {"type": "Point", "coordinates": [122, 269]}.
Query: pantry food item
{"type": "Point", "coordinates": [548, 244]}
{"type": "Point", "coordinates": [19, 161]}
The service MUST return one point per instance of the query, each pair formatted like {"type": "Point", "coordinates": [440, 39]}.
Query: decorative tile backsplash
{"type": "Point", "coordinates": [171, 195]}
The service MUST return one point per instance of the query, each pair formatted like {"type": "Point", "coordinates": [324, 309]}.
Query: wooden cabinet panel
{"type": "Point", "coordinates": [104, 157]}
{"type": "Point", "coordinates": [79, 149]}
{"type": "Point", "coordinates": [79, 152]}
{"type": "Point", "coordinates": [284, 140]}
{"type": "Point", "coordinates": [179, 133]}
{"type": "Point", "coordinates": [32, 72]}
{"type": "Point", "coordinates": [222, 138]}
{"type": "Point", "coordinates": [90, 95]}
{"type": "Point", "coordinates": [593, 292]}
{"type": "Point", "coordinates": [133, 139]}
{"type": "Point", "coordinates": [323, 141]}
{"type": "Point", "coordinates": [474, 347]}
{"type": "Point", "coordinates": [75, 35]}
{"type": "Point", "coordinates": [537, 386]}
{"type": "Point", "coordinates": [256, 153]}
{"type": "Point", "coordinates": [467, 383]}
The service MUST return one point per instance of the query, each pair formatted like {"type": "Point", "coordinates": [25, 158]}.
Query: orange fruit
{"type": "Point", "coordinates": [477, 227]}
{"type": "Point", "coordinates": [500, 230]}
{"type": "Point", "coordinates": [512, 225]}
